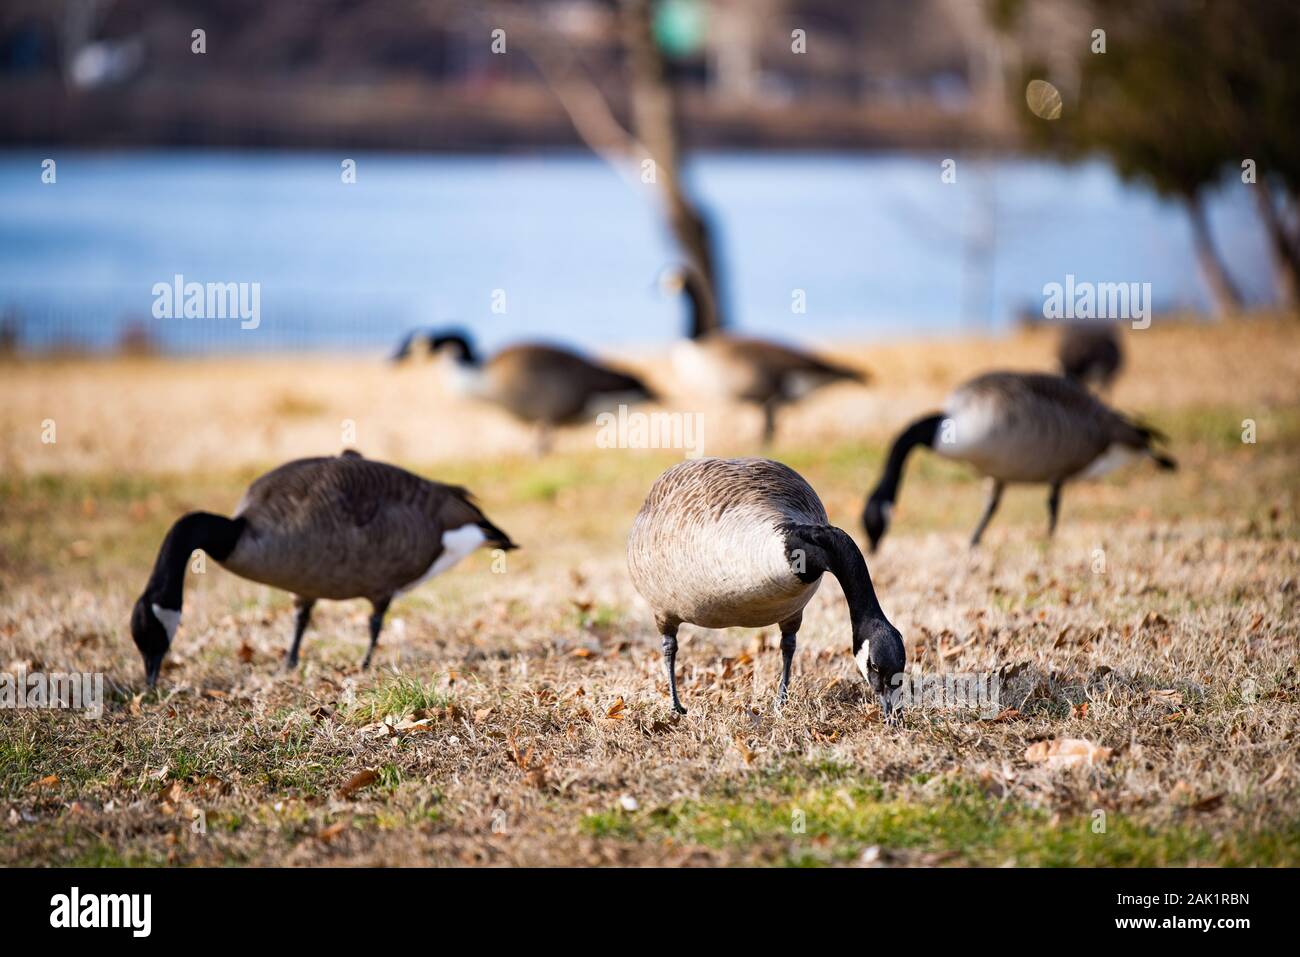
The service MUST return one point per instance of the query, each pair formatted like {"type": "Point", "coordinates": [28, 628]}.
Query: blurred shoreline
{"type": "Point", "coordinates": [156, 415]}
{"type": "Point", "coordinates": [412, 117]}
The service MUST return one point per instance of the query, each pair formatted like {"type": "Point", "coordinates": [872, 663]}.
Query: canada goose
{"type": "Point", "coordinates": [540, 384]}
{"type": "Point", "coordinates": [725, 543]}
{"type": "Point", "coordinates": [333, 528]}
{"type": "Point", "coordinates": [1016, 427]}
{"type": "Point", "coordinates": [1090, 353]}
{"type": "Point", "coordinates": [742, 368]}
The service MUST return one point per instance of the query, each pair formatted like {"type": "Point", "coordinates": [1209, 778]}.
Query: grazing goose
{"type": "Point", "coordinates": [334, 528]}
{"type": "Point", "coordinates": [540, 384]}
{"type": "Point", "coordinates": [741, 368]}
{"type": "Point", "coordinates": [1090, 353]}
{"type": "Point", "coordinates": [723, 543]}
{"type": "Point", "coordinates": [1016, 427]}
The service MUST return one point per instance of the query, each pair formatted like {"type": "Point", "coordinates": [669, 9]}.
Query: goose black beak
{"type": "Point", "coordinates": [889, 713]}
{"type": "Point", "coordinates": [152, 667]}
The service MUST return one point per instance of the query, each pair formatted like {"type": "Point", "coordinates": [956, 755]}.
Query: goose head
{"type": "Point", "coordinates": [152, 627]}
{"type": "Point", "coordinates": [881, 658]}
{"type": "Point", "coordinates": [454, 343]}
{"type": "Point", "coordinates": [876, 516]}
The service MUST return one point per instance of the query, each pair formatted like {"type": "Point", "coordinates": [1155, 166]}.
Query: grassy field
{"type": "Point", "coordinates": [522, 718]}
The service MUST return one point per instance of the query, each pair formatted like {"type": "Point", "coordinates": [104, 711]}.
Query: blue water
{"type": "Point", "coordinates": [877, 242]}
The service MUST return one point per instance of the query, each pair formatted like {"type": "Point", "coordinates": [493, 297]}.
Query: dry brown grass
{"type": "Point", "coordinates": [516, 748]}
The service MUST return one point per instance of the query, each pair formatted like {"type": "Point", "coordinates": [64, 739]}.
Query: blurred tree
{"type": "Point", "coordinates": [654, 133]}
{"type": "Point", "coordinates": [1185, 91]}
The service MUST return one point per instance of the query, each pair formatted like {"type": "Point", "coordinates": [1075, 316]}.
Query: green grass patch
{"type": "Point", "coordinates": [833, 824]}
{"type": "Point", "coordinates": [398, 698]}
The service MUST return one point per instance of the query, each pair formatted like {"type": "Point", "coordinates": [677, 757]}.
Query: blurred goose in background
{"type": "Point", "coordinates": [333, 528]}
{"type": "Point", "coordinates": [1090, 353]}
{"type": "Point", "coordinates": [724, 543]}
{"type": "Point", "coordinates": [1016, 427]}
{"type": "Point", "coordinates": [741, 368]}
{"type": "Point", "coordinates": [540, 384]}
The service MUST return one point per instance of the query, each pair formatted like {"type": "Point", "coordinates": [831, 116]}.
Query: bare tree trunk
{"type": "Point", "coordinates": [1286, 255]}
{"type": "Point", "coordinates": [1224, 297]}
{"type": "Point", "coordinates": [655, 122]}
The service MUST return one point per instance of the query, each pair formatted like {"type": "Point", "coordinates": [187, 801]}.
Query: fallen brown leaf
{"type": "Point", "coordinates": [1067, 753]}
{"type": "Point", "coordinates": [361, 779]}
{"type": "Point", "coordinates": [334, 830]}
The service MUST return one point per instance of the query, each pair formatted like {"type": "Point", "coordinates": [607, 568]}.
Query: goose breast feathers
{"type": "Point", "coordinates": [706, 546]}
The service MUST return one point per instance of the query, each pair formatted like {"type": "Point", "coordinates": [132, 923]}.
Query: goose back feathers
{"type": "Point", "coordinates": [1020, 427]}
{"type": "Point", "coordinates": [705, 547]}
{"type": "Point", "coordinates": [348, 527]}
{"type": "Point", "coordinates": [535, 382]}
{"type": "Point", "coordinates": [745, 542]}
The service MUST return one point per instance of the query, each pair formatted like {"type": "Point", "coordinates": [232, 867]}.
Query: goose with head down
{"type": "Point", "coordinates": [334, 528]}
{"type": "Point", "coordinates": [723, 543]}
{"type": "Point", "coordinates": [1016, 428]}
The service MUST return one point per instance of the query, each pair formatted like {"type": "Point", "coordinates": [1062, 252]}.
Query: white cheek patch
{"type": "Point", "coordinates": [863, 658]}
{"type": "Point", "coordinates": [456, 544]}
{"type": "Point", "coordinates": [171, 620]}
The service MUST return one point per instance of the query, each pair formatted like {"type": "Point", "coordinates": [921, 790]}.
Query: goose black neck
{"type": "Point", "coordinates": [214, 534]}
{"type": "Point", "coordinates": [850, 570]}
{"type": "Point", "coordinates": [701, 305]}
{"type": "Point", "coordinates": [921, 432]}
{"type": "Point", "coordinates": [825, 548]}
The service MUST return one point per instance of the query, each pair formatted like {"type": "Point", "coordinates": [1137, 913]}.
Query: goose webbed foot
{"type": "Point", "coordinates": [670, 660]}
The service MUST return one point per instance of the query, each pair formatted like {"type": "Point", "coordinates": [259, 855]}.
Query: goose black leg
{"type": "Point", "coordinates": [769, 422]}
{"type": "Point", "coordinates": [304, 606]}
{"type": "Point", "coordinates": [670, 660]}
{"type": "Point", "coordinates": [1053, 507]}
{"type": "Point", "coordinates": [544, 439]}
{"type": "Point", "coordinates": [995, 496]}
{"type": "Point", "coordinates": [787, 658]}
{"type": "Point", "coordinates": [376, 623]}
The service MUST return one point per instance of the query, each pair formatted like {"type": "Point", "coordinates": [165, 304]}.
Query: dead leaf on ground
{"type": "Point", "coordinates": [46, 782]}
{"type": "Point", "coordinates": [326, 835]}
{"type": "Point", "coordinates": [1167, 696]}
{"type": "Point", "coordinates": [172, 793]}
{"type": "Point", "coordinates": [246, 653]}
{"type": "Point", "coordinates": [616, 710]}
{"type": "Point", "coordinates": [362, 779]}
{"type": "Point", "coordinates": [1067, 753]}
{"type": "Point", "coordinates": [1211, 803]}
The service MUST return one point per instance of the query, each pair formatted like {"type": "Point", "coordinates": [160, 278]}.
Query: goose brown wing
{"type": "Point", "coordinates": [348, 527]}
